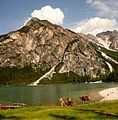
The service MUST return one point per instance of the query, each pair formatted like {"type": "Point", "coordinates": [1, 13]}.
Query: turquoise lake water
{"type": "Point", "coordinates": [49, 94]}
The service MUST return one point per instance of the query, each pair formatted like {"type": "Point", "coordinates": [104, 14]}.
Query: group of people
{"type": "Point", "coordinates": [69, 102]}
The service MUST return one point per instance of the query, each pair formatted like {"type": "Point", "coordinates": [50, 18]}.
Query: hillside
{"type": "Point", "coordinates": [41, 52]}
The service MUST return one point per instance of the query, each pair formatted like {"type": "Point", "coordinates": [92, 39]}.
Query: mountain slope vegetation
{"type": "Point", "coordinates": [30, 52]}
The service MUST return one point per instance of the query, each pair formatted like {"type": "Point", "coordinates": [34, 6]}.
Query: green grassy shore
{"type": "Point", "coordinates": [97, 111]}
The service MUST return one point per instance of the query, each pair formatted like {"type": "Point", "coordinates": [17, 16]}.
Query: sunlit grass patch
{"type": "Point", "coordinates": [97, 111]}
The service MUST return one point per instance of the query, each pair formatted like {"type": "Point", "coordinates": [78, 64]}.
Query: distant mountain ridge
{"type": "Point", "coordinates": [43, 46]}
{"type": "Point", "coordinates": [110, 38]}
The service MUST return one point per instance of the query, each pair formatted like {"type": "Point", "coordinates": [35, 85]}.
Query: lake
{"type": "Point", "coordinates": [49, 94]}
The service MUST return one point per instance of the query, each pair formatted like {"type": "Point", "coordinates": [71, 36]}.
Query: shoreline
{"type": "Point", "coordinates": [109, 94]}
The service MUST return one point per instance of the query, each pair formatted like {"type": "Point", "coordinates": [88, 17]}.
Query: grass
{"type": "Point", "coordinates": [96, 111]}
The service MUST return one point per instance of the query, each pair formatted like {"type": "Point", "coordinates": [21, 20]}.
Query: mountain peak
{"type": "Point", "coordinates": [35, 21]}
{"type": "Point", "coordinates": [50, 47]}
{"type": "Point", "coordinates": [110, 38]}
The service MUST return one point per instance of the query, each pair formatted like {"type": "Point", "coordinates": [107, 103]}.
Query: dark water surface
{"type": "Point", "coordinates": [49, 94]}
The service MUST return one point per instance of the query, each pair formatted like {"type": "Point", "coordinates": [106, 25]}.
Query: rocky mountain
{"type": "Point", "coordinates": [109, 39]}
{"type": "Point", "coordinates": [49, 49]}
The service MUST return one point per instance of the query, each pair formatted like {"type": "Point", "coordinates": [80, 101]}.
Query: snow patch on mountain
{"type": "Point", "coordinates": [104, 43]}
{"type": "Point", "coordinates": [110, 67]}
{"type": "Point", "coordinates": [107, 57]}
{"type": "Point", "coordinates": [46, 75]}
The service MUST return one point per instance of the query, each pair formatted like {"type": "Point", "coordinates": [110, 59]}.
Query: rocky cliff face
{"type": "Point", "coordinates": [110, 38]}
{"type": "Point", "coordinates": [45, 45]}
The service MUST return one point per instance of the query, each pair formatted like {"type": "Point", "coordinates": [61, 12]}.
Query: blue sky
{"type": "Point", "coordinates": [79, 15]}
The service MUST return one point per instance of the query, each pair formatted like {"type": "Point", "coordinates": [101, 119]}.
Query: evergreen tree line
{"type": "Point", "coordinates": [16, 75]}
{"type": "Point", "coordinates": [28, 75]}
{"type": "Point", "coordinates": [71, 77]}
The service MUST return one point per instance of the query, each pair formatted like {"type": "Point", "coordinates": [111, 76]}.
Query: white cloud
{"type": "Point", "coordinates": [106, 8]}
{"type": "Point", "coordinates": [96, 25]}
{"type": "Point", "coordinates": [54, 15]}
